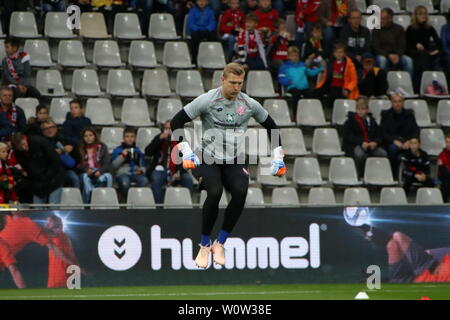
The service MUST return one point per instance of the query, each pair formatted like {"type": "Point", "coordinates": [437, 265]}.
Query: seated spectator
{"type": "Point", "coordinates": [22, 188]}
{"type": "Point", "coordinates": [163, 170]}
{"type": "Point", "coordinates": [416, 166]}
{"type": "Point", "coordinates": [231, 23]}
{"type": "Point", "coordinates": [201, 25]}
{"type": "Point", "coordinates": [398, 126]}
{"type": "Point", "coordinates": [7, 183]}
{"type": "Point", "coordinates": [34, 123]}
{"type": "Point", "coordinates": [444, 169]}
{"type": "Point", "coordinates": [267, 18]}
{"type": "Point", "coordinates": [277, 52]}
{"type": "Point", "coordinates": [95, 163]}
{"type": "Point", "coordinates": [17, 70]}
{"type": "Point", "coordinates": [68, 154]}
{"type": "Point", "coordinates": [14, 113]}
{"type": "Point", "coordinates": [339, 80]}
{"type": "Point", "coordinates": [306, 15]}
{"type": "Point", "coordinates": [128, 163]}
{"type": "Point", "coordinates": [53, 5]}
{"type": "Point", "coordinates": [294, 75]}
{"type": "Point", "coordinates": [250, 46]}
{"type": "Point", "coordinates": [75, 123]}
{"type": "Point", "coordinates": [356, 37]}
{"type": "Point", "coordinates": [422, 45]}
{"type": "Point", "coordinates": [372, 80]}
{"type": "Point", "coordinates": [362, 136]}
{"type": "Point", "coordinates": [249, 6]}
{"type": "Point", "coordinates": [445, 40]}
{"type": "Point", "coordinates": [314, 50]}
{"type": "Point", "coordinates": [389, 44]}
{"type": "Point", "coordinates": [45, 174]}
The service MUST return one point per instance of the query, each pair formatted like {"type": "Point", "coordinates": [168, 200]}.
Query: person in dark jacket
{"type": "Point", "coordinates": [34, 123]}
{"type": "Point", "coordinates": [444, 169]}
{"type": "Point", "coordinates": [415, 166]}
{"type": "Point", "coordinates": [75, 123]}
{"type": "Point", "coordinates": [372, 79]}
{"type": "Point", "coordinates": [397, 126]}
{"type": "Point", "coordinates": [163, 170]}
{"type": "Point", "coordinates": [362, 137]}
{"type": "Point", "coordinates": [314, 51]}
{"type": "Point", "coordinates": [14, 113]}
{"type": "Point", "coordinates": [45, 173]}
{"type": "Point", "coordinates": [6, 129]}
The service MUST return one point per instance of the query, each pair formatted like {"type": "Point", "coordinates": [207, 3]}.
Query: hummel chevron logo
{"type": "Point", "coordinates": [120, 255]}
{"type": "Point", "coordinates": [119, 244]}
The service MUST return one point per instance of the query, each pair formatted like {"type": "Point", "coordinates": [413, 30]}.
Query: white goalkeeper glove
{"type": "Point", "coordinates": [190, 160]}
{"type": "Point", "coordinates": [278, 167]}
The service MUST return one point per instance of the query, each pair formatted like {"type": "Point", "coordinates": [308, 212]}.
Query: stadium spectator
{"type": "Point", "coordinates": [231, 23]}
{"type": "Point", "coordinates": [84, 5]}
{"type": "Point", "coordinates": [14, 114]}
{"type": "Point", "coordinates": [444, 169]}
{"type": "Point", "coordinates": [163, 169]}
{"type": "Point", "coordinates": [7, 183]}
{"type": "Point", "coordinates": [281, 6]}
{"type": "Point", "coordinates": [6, 129]}
{"type": "Point", "coordinates": [422, 45]}
{"type": "Point", "coordinates": [128, 163]}
{"type": "Point", "coordinates": [250, 45]}
{"type": "Point", "coordinates": [34, 123]}
{"type": "Point", "coordinates": [294, 75]}
{"type": "Point", "coordinates": [362, 136]}
{"type": "Point", "coordinates": [398, 126]}
{"type": "Point", "coordinates": [110, 8]}
{"type": "Point", "coordinates": [7, 8]}
{"type": "Point", "coordinates": [389, 44]}
{"type": "Point", "coordinates": [75, 123]}
{"type": "Point", "coordinates": [95, 163]}
{"type": "Point", "coordinates": [267, 17]}
{"type": "Point", "coordinates": [306, 15]}
{"type": "Point", "coordinates": [372, 80]}
{"type": "Point", "coordinates": [45, 173]}
{"type": "Point", "coordinates": [23, 189]}
{"type": "Point", "coordinates": [17, 70]}
{"type": "Point", "coordinates": [445, 40]}
{"type": "Point", "coordinates": [314, 50]}
{"type": "Point", "coordinates": [201, 25]}
{"type": "Point", "coordinates": [277, 51]}
{"type": "Point", "coordinates": [181, 9]}
{"type": "Point", "coordinates": [53, 5]}
{"type": "Point", "coordinates": [68, 154]}
{"type": "Point", "coordinates": [415, 166]}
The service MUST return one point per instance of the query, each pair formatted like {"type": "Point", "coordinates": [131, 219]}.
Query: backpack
{"type": "Point", "coordinates": [435, 88]}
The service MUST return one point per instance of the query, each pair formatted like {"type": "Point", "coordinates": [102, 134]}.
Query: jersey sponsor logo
{"type": "Point", "coordinates": [241, 110]}
{"type": "Point", "coordinates": [219, 109]}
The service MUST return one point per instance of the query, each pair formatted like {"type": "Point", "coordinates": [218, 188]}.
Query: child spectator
{"type": "Point", "coordinates": [7, 183]}
{"type": "Point", "coordinates": [373, 80]}
{"type": "Point", "coordinates": [95, 163]}
{"type": "Point", "coordinates": [313, 50]}
{"type": "Point", "coordinates": [17, 70]}
{"type": "Point", "coordinates": [14, 114]}
{"type": "Point", "coordinates": [444, 169]}
{"type": "Point", "coordinates": [416, 166]}
{"type": "Point", "coordinates": [128, 163]}
{"type": "Point", "coordinates": [231, 23]}
{"type": "Point", "coordinates": [34, 123]}
{"type": "Point", "coordinates": [294, 75]}
{"type": "Point", "coordinates": [250, 45]}
{"type": "Point", "coordinates": [201, 25]}
{"type": "Point", "coordinates": [267, 17]}
{"type": "Point", "coordinates": [305, 16]}
{"type": "Point", "coordinates": [278, 46]}
{"type": "Point", "coordinates": [75, 123]}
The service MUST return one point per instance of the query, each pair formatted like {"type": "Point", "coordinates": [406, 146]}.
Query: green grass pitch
{"type": "Point", "coordinates": [237, 292]}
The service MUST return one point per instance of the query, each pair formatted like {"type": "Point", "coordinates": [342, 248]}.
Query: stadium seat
{"type": "Point", "coordinates": [71, 197]}
{"type": "Point", "coordinates": [376, 106]}
{"type": "Point", "coordinates": [189, 83]}
{"type": "Point", "coordinates": [135, 113]}
{"type": "Point", "coordinates": [428, 77]}
{"type": "Point", "coordinates": [59, 108]}
{"type": "Point", "coordinates": [291, 25]}
{"type": "Point", "coordinates": [2, 49]}
{"type": "Point", "coordinates": [39, 52]}
{"type": "Point", "coordinates": [28, 105]}
{"type": "Point", "coordinates": [176, 55]}
{"type": "Point", "coordinates": [49, 83]}
{"type": "Point", "coordinates": [120, 83]}
{"type": "Point", "coordinates": [56, 26]}
{"type": "Point", "coordinates": [279, 111]}
{"type": "Point", "coordinates": [211, 55]}
{"type": "Point", "coordinates": [216, 82]}
{"type": "Point", "coordinates": [71, 54]}
{"type": "Point", "coordinates": [107, 54]}
{"type": "Point", "coordinates": [156, 83]}
{"type": "Point", "coordinates": [99, 110]}
{"type": "Point", "coordinates": [112, 137]}
{"type": "Point", "coordinates": [321, 196]}
{"type": "Point", "coordinates": [432, 141]}
{"type": "Point", "coordinates": [361, 5]}
{"type": "Point", "coordinates": [393, 4]}
{"type": "Point", "coordinates": [162, 26]}
{"type": "Point", "coordinates": [127, 26]}
{"type": "Point", "coordinates": [421, 112]}
{"type": "Point", "coordinates": [429, 196]}
{"type": "Point", "coordinates": [400, 80]}
{"type": "Point", "coordinates": [2, 35]}
{"type": "Point", "coordinates": [145, 136]}
{"type": "Point", "coordinates": [340, 109]}
{"type": "Point", "coordinates": [255, 198]}
{"type": "Point", "coordinates": [445, 6]}
{"type": "Point", "coordinates": [378, 172]}
{"type": "Point", "coordinates": [93, 26]}
{"type": "Point", "coordinates": [412, 4]}
{"type": "Point", "coordinates": [443, 113]}
{"type": "Point", "coordinates": [260, 85]}
{"type": "Point", "coordinates": [293, 142]}
{"type": "Point", "coordinates": [356, 196]}
{"type": "Point", "coordinates": [285, 196]}
{"type": "Point", "coordinates": [223, 199]}
{"type": "Point", "coordinates": [326, 142]}
{"type": "Point", "coordinates": [177, 198]}
{"type": "Point", "coordinates": [342, 172]}
{"type": "Point", "coordinates": [307, 172]}
{"type": "Point", "coordinates": [403, 20]}
{"type": "Point", "coordinates": [392, 195]}
{"type": "Point", "coordinates": [167, 108]}
{"type": "Point", "coordinates": [85, 83]}
{"type": "Point", "coordinates": [310, 113]}
{"type": "Point", "coordinates": [256, 142]}
{"type": "Point", "coordinates": [185, 27]}
{"type": "Point", "coordinates": [437, 21]}
{"type": "Point", "coordinates": [265, 178]}
{"type": "Point", "coordinates": [104, 198]}
{"type": "Point", "coordinates": [23, 25]}
{"type": "Point", "coordinates": [140, 198]}
{"type": "Point", "coordinates": [142, 54]}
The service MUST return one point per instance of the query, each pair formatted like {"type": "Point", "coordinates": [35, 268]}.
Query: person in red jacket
{"type": "Point", "coordinates": [305, 16]}
{"type": "Point", "coordinates": [267, 17]}
{"type": "Point", "coordinates": [444, 169]}
{"type": "Point", "coordinates": [278, 46]}
{"type": "Point", "coordinates": [231, 23]}
{"type": "Point", "coordinates": [7, 183]}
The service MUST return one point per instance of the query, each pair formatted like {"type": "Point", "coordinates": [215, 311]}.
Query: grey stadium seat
{"type": "Point", "coordinates": [403, 20]}
{"type": "Point", "coordinates": [177, 198]}
{"type": "Point", "coordinates": [49, 83]}
{"type": "Point", "coordinates": [93, 26]}
{"type": "Point", "coordinates": [112, 137]}
{"type": "Point", "coordinates": [279, 111]}
{"type": "Point", "coordinates": [28, 105]}
{"type": "Point", "coordinates": [176, 55]}
{"type": "Point", "coordinates": [260, 84]}
{"type": "Point", "coordinates": [340, 109]}
{"type": "Point", "coordinates": [378, 172]}
{"type": "Point", "coordinates": [310, 113]}
{"type": "Point", "coordinates": [326, 142]}
{"type": "Point", "coordinates": [293, 142]}
{"type": "Point", "coordinates": [307, 172]}
{"type": "Point", "coordinates": [255, 198]}
{"type": "Point", "coordinates": [71, 54]}
{"type": "Point", "coordinates": [135, 113]}
{"type": "Point", "coordinates": [167, 108]}
{"type": "Point", "coordinates": [71, 197]}
{"type": "Point", "coordinates": [85, 82]}
{"type": "Point", "coordinates": [356, 196]}
{"type": "Point", "coordinates": [127, 26]}
{"type": "Point", "coordinates": [393, 4]}
{"type": "Point", "coordinates": [142, 54]}
{"type": "Point", "coordinates": [402, 80]}
{"type": "Point", "coordinates": [162, 26]}
{"type": "Point", "coordinates": [120, 83]}
{"type": "Point", "coordinates": [443, 113]}
{"type": "Point", "coordinates": [140, 198]}
{"type": "Point", "coordinates": [104, 199]}
{"type": "Point", "coordinates": [412, 4]}
{"type": "Point", "coordinates": [428, 77]}
{"type": "Point", "coordinates": [145, 136]}
{"type": "Point", "coordinates": [211, 55]}
{"type": "Point", "coordinates": [421, 112]}
{"type": "Point", "coordinates": [189, 83]}
{"type": "Point", "coordinates": [343, 172]}
{"type": "Point", "coordinates": [429, 196]}
{"type": "Point", "coordinates": [376, 106]}
{"type": "Point", "coordinates": [156, 83]}
{"type": "Point", "coordinates": [56, 26]}
{"type": "Point", "coordinates": [59, 108]}
{"type": "Point", "coordinates": [39, 52]}
{"type": "Point", "coordinates": [285, 196]}
{"type": "Point", "coordinates": [391, 195]}
{"type": "Point", "coordinates": [107, 54]}
{"type": "Point", "coordinates": [99, 110]}
{"type": "Point", "coordinates": [432, 141]}
{"type": "Point", "coordinates": [321, 196]}
{"type": "Point", "coordinates": [23, 25]}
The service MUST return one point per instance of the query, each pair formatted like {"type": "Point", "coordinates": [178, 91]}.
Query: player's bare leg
{"type": "Point", "coordinates": [17, 276]}
{"type": "Point", "coordinates": [394, 251]}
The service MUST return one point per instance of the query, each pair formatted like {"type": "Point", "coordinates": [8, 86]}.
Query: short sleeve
{"type": "Point", "coordinates": [36, 234]}
{"type": "Point", "coordinates": [6, 256]}
{"type": "Point", "coordinates": [197, 106]}
{"type": "Point", "coordinates": [259, 113]}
